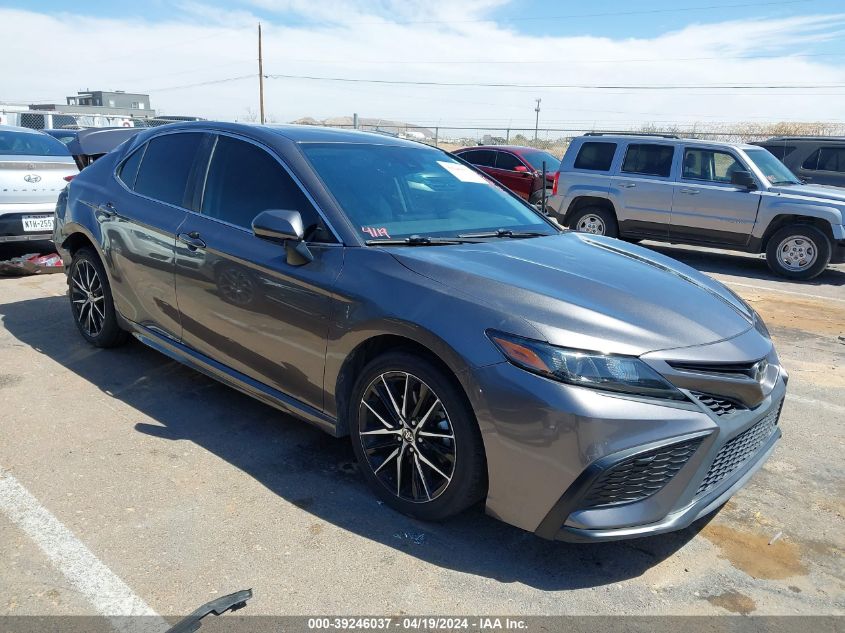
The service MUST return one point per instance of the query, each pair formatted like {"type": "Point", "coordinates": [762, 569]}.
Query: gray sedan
{"type": "Point", "coordinates": [584, 388]}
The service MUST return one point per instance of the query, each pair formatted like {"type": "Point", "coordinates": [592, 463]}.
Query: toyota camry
{"type": "Point", "coordinates": [381, 289]}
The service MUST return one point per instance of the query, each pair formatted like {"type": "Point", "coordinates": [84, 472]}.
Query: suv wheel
{"type": "Point", "coordinates": [415, 438]}
{"type": "Point", "coordinates": [91, 301]}
{"type": "Point", "coordinates": [594, 220]}
{"type": "Point", "coordinates": [798, 251]}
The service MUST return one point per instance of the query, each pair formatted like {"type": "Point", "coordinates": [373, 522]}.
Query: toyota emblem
{"type": "Point", "coordinates": [32, 178]}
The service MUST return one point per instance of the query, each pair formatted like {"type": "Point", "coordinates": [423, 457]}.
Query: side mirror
{"type": "Point", "coordinates": [743, 179]}
{"type": "Point", "coordinates": [285, 227]}
{"type": "Point", "coordinates": [521, 169]}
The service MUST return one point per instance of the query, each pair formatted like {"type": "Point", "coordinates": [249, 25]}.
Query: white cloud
{"type": "Point", "coordinates": [358, 39]}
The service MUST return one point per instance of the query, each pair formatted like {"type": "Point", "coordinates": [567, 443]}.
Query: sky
{"type": "Point", "coordinates": [603, 64]}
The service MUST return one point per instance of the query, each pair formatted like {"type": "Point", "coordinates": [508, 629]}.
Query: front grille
{"type": "Point", "coordinates": [739, 450]}
{"type": "Point", "coordinates": [640, 476]}
{"type": "Point", "coordinates": [719, 406]}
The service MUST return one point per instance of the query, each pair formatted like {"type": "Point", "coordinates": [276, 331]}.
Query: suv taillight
{"type": "Point", "coordinates": [69, 178]}
{"type": "Point", "coordinates": [554, 186]}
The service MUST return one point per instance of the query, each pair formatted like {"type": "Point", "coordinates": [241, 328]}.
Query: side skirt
{"type": "Point", "coordinates": [228, 376]}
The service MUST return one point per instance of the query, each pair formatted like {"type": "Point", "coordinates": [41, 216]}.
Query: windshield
{"type": "Point", "coordinates": [30, 144]}
{"type": "Point", "coordinates": [391, 191]}
{"type": "Point", "coordinates": [775, 171]}
{"type": "Point", "coordinates": [536, 158]}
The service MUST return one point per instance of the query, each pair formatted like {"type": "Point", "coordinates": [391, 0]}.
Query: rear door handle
{"type": "Point", "coordinates": [690, 192]}
{"type": "Point", "coordinates": [627, 185]}
{"type": "Point", "coordinates": [192, 239]}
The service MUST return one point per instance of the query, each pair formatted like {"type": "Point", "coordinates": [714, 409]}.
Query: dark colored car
{"type": "Point", "coordinates": [520, 169]}
{"type": "Point", "coordinates": [819, 160]}
{"type": "Point", "coordinates": [379, 288]}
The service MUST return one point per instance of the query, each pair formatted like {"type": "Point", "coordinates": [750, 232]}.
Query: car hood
{"type": "Point", "coordinates": [588, 292]}
{"type": "Point", "coordinates": [836, 194]}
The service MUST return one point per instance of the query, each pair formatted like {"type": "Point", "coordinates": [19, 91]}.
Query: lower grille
{"type": "Point", "coordinates": [719, 406]}
{"type": "Point", "coordinates": [641, 476]}
{"type": "Point", "coordinates": [740, 449]}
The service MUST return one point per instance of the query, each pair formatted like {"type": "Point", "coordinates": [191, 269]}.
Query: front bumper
{"type": "Point", "coordinates": [546, 442]}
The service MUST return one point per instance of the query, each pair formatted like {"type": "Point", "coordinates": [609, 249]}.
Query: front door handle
{"type": "Point", "coordinates": [627, 185]}
{"type": "Point", "coordinates": [690, 192]}
{"type": "Point", "coordinates": [192, 239]}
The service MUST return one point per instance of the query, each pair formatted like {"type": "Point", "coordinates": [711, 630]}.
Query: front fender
{"type": "Point", "coordinates": [775, 206]}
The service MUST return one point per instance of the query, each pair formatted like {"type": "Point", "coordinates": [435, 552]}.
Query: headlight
{"type": "Point", "coordinates": [623, 374]}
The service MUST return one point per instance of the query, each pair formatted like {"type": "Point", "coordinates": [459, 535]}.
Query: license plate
{"type": "Point", "coordinates": [38, 223]}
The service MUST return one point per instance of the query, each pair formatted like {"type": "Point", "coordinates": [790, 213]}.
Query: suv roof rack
{"type": "Point", "coordinates": [631, 134]}
{"type": "Point", "coordinates": [808, 137]}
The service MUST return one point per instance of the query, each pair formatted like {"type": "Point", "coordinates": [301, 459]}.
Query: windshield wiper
{"type": "Point", "coordinates": [421, 240]}
{"type": "Point", "coordinates": [504, 233]}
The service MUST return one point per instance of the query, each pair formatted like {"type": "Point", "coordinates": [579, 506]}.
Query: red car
{"type": "Point", "coordinates": [520, 169]}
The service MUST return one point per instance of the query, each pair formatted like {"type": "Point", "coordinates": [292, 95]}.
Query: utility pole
{"type": "Point", "coordinates": [260, 77]}
{"type": "Point", "coordinates": [537, 119]}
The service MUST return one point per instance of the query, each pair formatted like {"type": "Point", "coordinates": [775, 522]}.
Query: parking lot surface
{"type": "Point", "coordinates": [165, 489]}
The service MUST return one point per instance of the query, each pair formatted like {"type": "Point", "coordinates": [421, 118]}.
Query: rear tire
{"type": "Point", "coordinates": [798, 251]}
{"type": "Point", "coordinates": [91, 301]}
{"type": "Point", "coordinates": [594, 220]}
{"type": "Point", "coordinates": [421, 458]}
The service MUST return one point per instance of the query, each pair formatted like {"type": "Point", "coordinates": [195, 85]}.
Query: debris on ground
{"type": "Point", "coordinates": [32, 264]}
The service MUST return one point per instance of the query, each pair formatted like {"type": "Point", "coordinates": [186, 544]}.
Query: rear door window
{"type": "Point", "coordinates": [505, 160]}
{"type": "Point", "coordinates": [595, 156]}
{"type": "Point", "coordinates": [649, 160]}
{"type": "Point", "coordinates": [244, 180]}
{"type": "Point", "coordinates": [831, 159]}
{"type": "Point", "coordinates": [166, 167]}
{"type": "Point", "coordinates": [480, 157]}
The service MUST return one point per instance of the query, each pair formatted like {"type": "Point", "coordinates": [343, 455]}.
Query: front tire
{"type": "Point", "coordinates": [594, 220]}
{"type": "Point", "coordinates": [91, 301]}
{"type": "Point", "coordinates": [798, 251]}
{"type": "Point", "coordinates": [416, 438]}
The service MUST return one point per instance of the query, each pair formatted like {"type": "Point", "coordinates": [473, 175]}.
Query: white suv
{"type": "Point", "coordinates": [724, 195]}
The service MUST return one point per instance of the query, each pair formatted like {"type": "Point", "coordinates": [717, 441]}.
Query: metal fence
{"type": "Point", "coordinates": [556, 140]}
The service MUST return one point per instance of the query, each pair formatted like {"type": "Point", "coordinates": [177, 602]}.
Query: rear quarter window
{"type": "Point", "coordinates": [595, 156]}
{"type": "Point", "coordinates": [166, 167]}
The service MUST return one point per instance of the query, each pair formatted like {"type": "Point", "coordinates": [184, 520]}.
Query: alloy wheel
{"type": "Point", "coordinates": [591, 223]}
{"type": "Point", "coordinates": [407, 437]}
{"type": "Point", "coordinates": [87, 298]}
{"type": "Point", "coordinates": [797, 253]}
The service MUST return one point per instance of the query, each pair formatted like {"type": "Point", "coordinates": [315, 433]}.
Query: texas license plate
{"type": "Point", "coordinates": [37, 223]}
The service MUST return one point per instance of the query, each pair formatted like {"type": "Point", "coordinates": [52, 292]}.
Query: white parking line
{"type": "Point", "coordinates": [780, 290]}
{"type": "Point", "coordinates": [108, 594]}
{"type": "Point", "coordinates": [824, 404]}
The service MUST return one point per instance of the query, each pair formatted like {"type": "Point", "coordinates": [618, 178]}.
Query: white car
{"type": "Point", "coordinates": [34, 169]}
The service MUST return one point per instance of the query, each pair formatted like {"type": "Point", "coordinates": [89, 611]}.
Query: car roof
{"type": "Point", "coordinates": [516, 149]}
{"type": "Point", "coordinates": [15, 128]}
{"type": "Point", "coordinates": [665, 139]}
{"type": "Point", "coordinates": [295, 133]}
{"type": "Point", "coordinates": [803, 139]}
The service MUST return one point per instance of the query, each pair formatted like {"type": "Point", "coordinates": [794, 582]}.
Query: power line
{"type": "Point", "coordinates": [585, 15]}
{"type": "Point", "coordinates": [460, 84]}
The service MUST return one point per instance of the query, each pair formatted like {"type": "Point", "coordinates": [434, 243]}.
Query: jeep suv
{"type": "Point", "coordinates": [816, 159]}
{"type": "Point", "coordinates": [723, 195]}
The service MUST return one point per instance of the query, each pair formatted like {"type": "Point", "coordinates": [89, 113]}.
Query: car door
{"type": "Point", "coordinates": [643, 190]}
{"type": "Point", "coordinates": [241, 303]}
{"type": "Point", "coordinates": [706, 206]}
{"type": "Point", "coordinates": [140, 216]}
{"type": "Point", "coordinates": [513, 174]}
{"type": "Point", "coordinates": [825, 166]}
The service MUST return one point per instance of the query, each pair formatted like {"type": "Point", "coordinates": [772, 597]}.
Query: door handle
{"type": "Point", "coordinates": [192, 239]}
{"type": "Point", "coordinates": [690, 192]}
{"type": "Point", "coordinates": [107, 210]}
{"type": "Point", "coordinates": [627, 185]}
